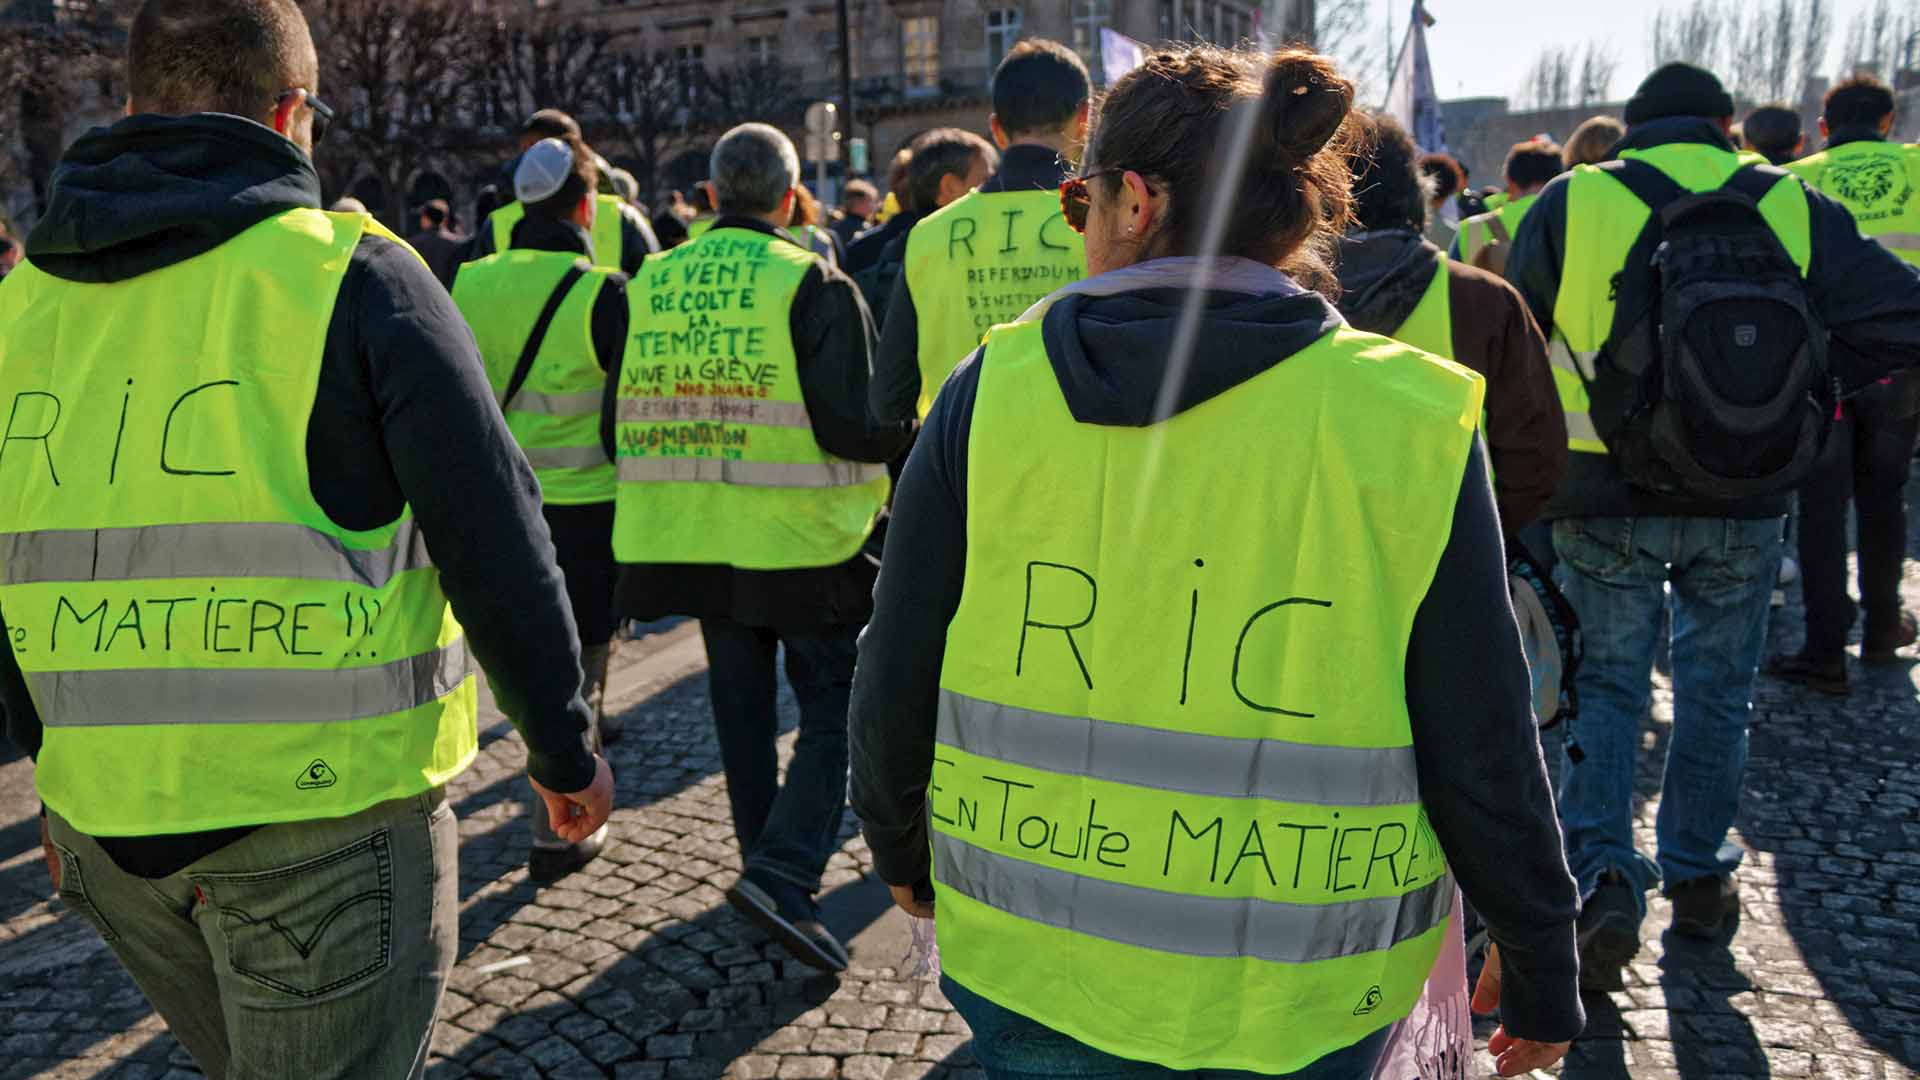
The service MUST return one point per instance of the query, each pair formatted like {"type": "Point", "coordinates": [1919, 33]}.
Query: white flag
{"type": "Point", "coordinates": [1119, 54]}
{"type": "Point", "coordinates": [1411, 98]}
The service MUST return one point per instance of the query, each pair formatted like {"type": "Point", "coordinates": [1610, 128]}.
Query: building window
{"type": "Point", "coordinates": [830, 49]}
{"type": "Point", "coordinates": [1168, 29]}
{"type": "Point", "coordinates": [691, 55]}
{"type": "Point", "coordinates": [920, 52]}
{"type": "Point", "coordinates": [1003, 29]}
{"type": "Point", "coordinates": [760, 50]}
{"type": "Point", "coordinates": [1089, 16]}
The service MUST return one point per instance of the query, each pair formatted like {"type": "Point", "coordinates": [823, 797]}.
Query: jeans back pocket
{"type": "Point", "coordinates": [312, 928]}
{"type": "Point", "coordinates": [73, 893]}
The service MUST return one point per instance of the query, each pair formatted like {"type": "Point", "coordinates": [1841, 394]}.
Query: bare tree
{"type": "Point", "coordinates": [1564, 76]}
{"type": "Point", "coordinates": [649, 100]}
{"type": "Point", "coordinates": [399, 74]}
{"type": "Point", "coordinates": [1692, 34]}
{"type": "Point", "coordinates": [49, 69]}
{"type": "Point", "coordinates": [762, 90]}
{"type": "Point", "coordinates": [1345, 30]}
{"type": "Point", "coordinates": [1816, 30]}
{"type": "Point", "coordinates": [1764, 50]}
{"type": "Point", "coordinates": [536, 59]}
{"type": "Point", "coordinates": [1883, 40]}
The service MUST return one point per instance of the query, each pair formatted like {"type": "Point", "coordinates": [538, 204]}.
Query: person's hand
{"type": "Point", "coordinates": [912, 905]}
{"type": "Point", "coordinates": [1511, 1056]}
{"type": "Point", "coordinates": [53, 857]}
{"type": "Point", "coordinates": [577, 815]}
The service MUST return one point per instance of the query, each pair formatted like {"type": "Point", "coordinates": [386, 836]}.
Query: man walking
{"type": "Point", "coordinates": [985, 257]}
{"type": "Point", "coordinates": [262, 506]}
{"type": "Point", "coordinates": [1623, 544]}
{"type": "Point", "coordinates": [1869, 455]}
{"type": "Point", "coordinates": [749, 483]}
{"type": "Point", "coordinates": [550, 326]}
{"type": "Point", "coordinates": [622, 236]}
{"type": "Point", "coordinates": [1485, 240]}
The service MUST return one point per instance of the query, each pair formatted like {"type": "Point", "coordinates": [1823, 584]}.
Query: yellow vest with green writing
{"type": "Point", "coordinates": [1175, 807]}
{"type": "Point", "coordinates": [204, 646]}
{"type": "Point", "coordinates": [1478, 231]}
{"type": "Point", "coordinates": [1878, 182]}
{"type": "Point", "coordinates": [609, 240]}
{"type": "Point", "coordinates": [983, 259]}
{"type": "Point", "coordinates": [555, 416]}
{"type": "Point", "coordinates": [1604, 220]}
{"type": "Point", "coordinates": [715, 452]}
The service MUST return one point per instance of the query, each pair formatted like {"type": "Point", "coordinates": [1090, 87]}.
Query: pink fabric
{"type": "Point", "coordinates": [1435, 1041]}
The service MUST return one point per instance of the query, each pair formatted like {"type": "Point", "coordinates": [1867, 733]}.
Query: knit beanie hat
{"type": "Point", "coordinates": [1679, 89]}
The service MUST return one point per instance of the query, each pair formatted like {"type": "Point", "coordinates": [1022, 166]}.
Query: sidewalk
{"type": "Point", "coordinates": [635, 967]}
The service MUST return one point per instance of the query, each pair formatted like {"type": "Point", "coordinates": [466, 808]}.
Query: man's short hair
{"type": "Point", "coordinates": [1774, 131]}
{"type": "Point", "coordinates": [1039, 87]}
{"type": "Point", "coordinates": [857, 190]}
{"type": "Point", "coordinates": [942, 152]}
{"type": "Point", "coordinates": [753, 166]}
{"type": "Point", "coordinates": [551, 124]}
{"type": "Point", "coordinates": [897, 171]}
{"type": "Point", "coordinates": [1388, 189]}
{"type": "Point", "coordinates": [1532, 163]}
{"type": "Point", "coordinates": [580, 181]}
{"type": "Point", "coordinates": [1859, 99]}
{"type": "Point", "coordinates": [435, 211]}
{"type": "Point", "coordinates": [227, 56]}
{"type": "Point", "coordinates": [1445, 172]}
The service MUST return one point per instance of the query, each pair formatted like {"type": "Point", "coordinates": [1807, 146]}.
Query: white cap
{"type": "Point", "coordinates": [543, 169]}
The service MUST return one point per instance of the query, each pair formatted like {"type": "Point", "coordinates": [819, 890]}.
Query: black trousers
{"type": "Point", "coordinates": [1868, 458]}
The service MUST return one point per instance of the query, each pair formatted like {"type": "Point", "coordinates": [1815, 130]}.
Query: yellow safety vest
{"type": "Point", "coordinates": [609, 239]}
{"type": "Point", "coordinates": [1495, 226]}
{"type": "Point", "coordinates": [1430, 326]}
{"type": "Point", "coordinates": [555, 416]}
{"type": "Point", "coordinates": [716, 457]}
{"type": "Point", "coordinates": [983, 259]}
{"type": "Point", "coordinates": [1877, 181]}
{"type": "Point", "coordinates": [204, 646]}
{"type": "Point", "coordinates": [1175, 807]}
{"type": "Point", "coordinates": [1604, 220]}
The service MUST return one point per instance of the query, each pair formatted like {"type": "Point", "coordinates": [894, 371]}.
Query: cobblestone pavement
{"type": "Point", "coordinates": [635, 967]}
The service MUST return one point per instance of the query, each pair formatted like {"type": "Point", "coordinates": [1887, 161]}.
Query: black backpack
{"type": "Point", "coordinates": [1720, 389]}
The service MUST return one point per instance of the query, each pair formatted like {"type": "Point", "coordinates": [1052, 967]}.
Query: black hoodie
{"type": "Point", "coordinates": [1482, 777]}
{"type": "Point", "coordinates": [403, 415]}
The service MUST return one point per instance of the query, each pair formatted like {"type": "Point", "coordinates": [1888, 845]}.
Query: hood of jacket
{"type": "Point", "coordinates": [1674, 129]}
{"type": "Point", "coordinates": [151, 191]}
{"type": "Point", "coordinates": [1384, 273]}
{"type": "Point", "coordinates": [1113, 339]}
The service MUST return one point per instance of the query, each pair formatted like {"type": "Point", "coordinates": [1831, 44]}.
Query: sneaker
{"type": "Point", "coordinates": [1880, 649]}
{"type": "Point", "coordinates": [1827, 674]}
{"type": "Point", "coordinates": [1701, 906]}
{"type": "Point", "coordinates": [788, 914]}
{"type": "Point", "coordinates": [1608, 933]}
{"type": "Point", "coordinates": [1789, 570]}
{"type": "Point", "coordinates": [547, 865]}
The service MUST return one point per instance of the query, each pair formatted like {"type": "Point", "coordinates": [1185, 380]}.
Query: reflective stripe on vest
{"type": "Point", "coordinates": [716, 457]}
{"type": "Point", "coordinates": [1604, 220]}
{"type": "Point", "coordinates": [204, 647]}
{"type": "Point", "coordinates": [1879, 183]}
{"type": "Point", "coordinates": [1477, 231]}
{"type": "Point", "coordinates": [1195, 926]}
{"type": "Point", "coordinates": [555, 415]}
{"type": "Point", "coordinates": [983, 259]}
{"type": "Point", "coordinates": [1173, 757]}
{"type": "Point", "coordinates": [609, 240]}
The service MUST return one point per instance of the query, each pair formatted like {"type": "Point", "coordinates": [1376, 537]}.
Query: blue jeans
{"type": "Point", "coordinates": [787, 831]}
{"type": "Point", "coordinates": [1012, 1047]}
{"type": "Point", "coordinates": [1616, 570]}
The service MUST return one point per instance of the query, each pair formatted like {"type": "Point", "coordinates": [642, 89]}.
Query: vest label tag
{"type": "Point", "coordinates": [315, 776]}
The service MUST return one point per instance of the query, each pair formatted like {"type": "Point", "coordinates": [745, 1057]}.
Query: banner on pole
{"type": "Point", "coordinates": [1411, 98]}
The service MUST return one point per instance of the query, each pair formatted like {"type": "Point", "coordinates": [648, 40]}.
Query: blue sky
{"type": "Point", "coordinates": [1484, 47]}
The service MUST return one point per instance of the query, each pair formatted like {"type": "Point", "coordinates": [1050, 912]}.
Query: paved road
{"type": "Point", "coordinates": [635, 967]}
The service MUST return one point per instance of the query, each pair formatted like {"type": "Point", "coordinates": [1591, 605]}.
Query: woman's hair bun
{"type": "Point", "coordinates": [1304, 102]}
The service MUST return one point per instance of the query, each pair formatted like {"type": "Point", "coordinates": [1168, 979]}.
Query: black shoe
{"type": "Point", "coordinates": [548, 865]}
{"type": "Point", "coordinates": [1608, 934]}
{"type": "Point", "coordinates": [1880, 648]}
{"type": "Point", "coordinates": [790, 916]}
{"type": "Point", "coordinates": [1827, 674]}
{"type": "Point", "coordinates": [1701, 906]}
{"type": "Point", "coordinates": [611, 728]}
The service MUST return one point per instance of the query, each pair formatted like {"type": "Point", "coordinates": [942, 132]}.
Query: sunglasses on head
{"type": "Point", "coordinates": [1076, 200]}
{"type": "Point", "coordinates": [322, 113]}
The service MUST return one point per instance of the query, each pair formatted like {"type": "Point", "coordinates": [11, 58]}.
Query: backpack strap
{"type": "Point", "coordinates": [1498, 226]}
{"type": "Point", "coordinates": [1648, 184]}
{"type": "Point", "coordinates": [524, 366]}
{"type": "Point", "coordinates": [1754, 181]}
